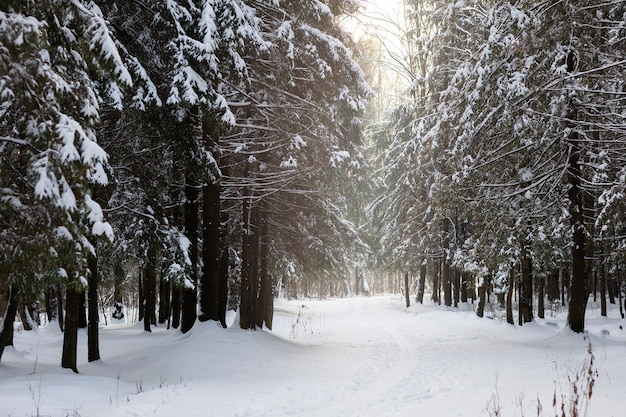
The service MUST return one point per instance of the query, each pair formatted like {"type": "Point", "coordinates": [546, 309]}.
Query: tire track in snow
{"type": "Point", "coordinates": [357, 398]}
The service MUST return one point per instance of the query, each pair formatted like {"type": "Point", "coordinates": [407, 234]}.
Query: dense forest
{"type": "Point", "coordinates": [185, 158]}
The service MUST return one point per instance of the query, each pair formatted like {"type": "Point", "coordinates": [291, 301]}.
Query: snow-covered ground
{"type": "Point", "coordinates": [347, 357]}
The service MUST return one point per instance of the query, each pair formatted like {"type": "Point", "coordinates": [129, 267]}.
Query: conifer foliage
{"type": "Point", "coordinates": [204, 130]}
{"type": "Point", "coordinates": [512, 162]}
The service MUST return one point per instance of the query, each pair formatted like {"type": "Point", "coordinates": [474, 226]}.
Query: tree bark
{"type": "Point", "coordinates": [82, 310]}
{"type": "Point", "coordinates": [70, 337]}
{"type": "Point", "coordinates": [603, 311]}
{"type": "Point", "coordinates": [526, 288]}
{"type": "Point", "coordinates": [190, 297]}
{"type": "Point", "coordinates": [578, 288]}
{"type": "Point", "coordinates": [482, 298]}
{"type": "Point", "coordinates": [149, 286]}
{"type": "Point", "coordinates": [436, 274]}
{"type": "Point", "coordinates": [176, 307]}
{"type": "Point", "coordinates": [93, 342]}
{"type": "Point", "coordinates": [265, 289]}
{"type": "Point", "coordinates": [245, 295]}
{"type": "Point", "coordinates": [223, 271]}
{"type": "Point", "coordinates": [541, 283]}
{"type": "Point", "coordinates": [447, 278]}
{"type": "Point", "coordinates": [6, 333]}
{"type": "Point", "coordinates": [253, 264]}
{"type": "Point", "coordinates": [509, 296]}
{"type": "Point", "coordinates": [407, 296]}
{"type": "Point", "coordinates": [464, 287]}
{"type": "Point", "coordinates": [210, 281]}
{"type": "Point", "coordinates": [421, 284]}
{"type": "Point", "coordinates": [165, 307]}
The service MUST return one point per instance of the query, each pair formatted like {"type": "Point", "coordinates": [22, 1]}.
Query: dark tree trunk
{"type": "Point", "coordinates": [269, 304]}
{"type": "Point", "coordinates": [456, 288]}
{"type": "Point", "coordinates": [541, 310]}
{"type": "Point", "coordinates": [407, 293]}
{"type": "Point", "coordinates": [482, 298]}
{"type": "Point", "coordinates": [210, 281]}
{"type": "Point", "coordinates": [149, 286]}
{"type": "Point", "coordinates": [509, 296]}
{"type": "Point", "coordinates": [142, 296]}
{"type": "Point", "coordinates": [176, 296]}
{"type": "Point", "coordinates": [245, 293]}
{"type": "Point", "coordinates": [254, 266]}
{"type": "Point", "coordinates": [526, 288]}
{"type": "Point", "coordinates": [578, 288]}
{"type": "Point", "coordinates": [436, 274]}
{"type": "Point", "coordinates": [602, 290]}
{"type": "Point", "coordinates": [447, 277]}
{"type": "Point", "coordinates": [52, 305]}
{"type": "Point", "coordinates": [93, 342]}
{"type": "Point", "coordinates": [421, 284]}
{"type": "Point", "coordinates": [610, 286]}
{"type": "Point", "coordinates": [165, 307]}
{"type": "Point", "coordinates": [265, 289]}
{"type": "Point", "coordinates": [22, 313]}
{"type": "Point", "coordinates": [6, 333]}
{"type": "Point", "coordinates": [70, 337]}
{"type": "Point", "coordinates": [82, 310]}
{"type": "Point", "coordinates": [553, 288]}
{"type": "Point", "coordinates": [223, 271]}
{"type": "Point", "coordinates": [190, 294]}
{"type": "Point", "coordinates": [60, 310]}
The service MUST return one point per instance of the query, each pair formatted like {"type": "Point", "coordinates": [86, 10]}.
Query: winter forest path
{"type": "Point", "coordinates": [368, 357]}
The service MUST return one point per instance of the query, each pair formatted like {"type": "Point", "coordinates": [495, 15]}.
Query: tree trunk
{"type": "Point", "coordinates": [464, 287]}
{"type": "Point", "coordinates": [526, 288]}
{"type": "Point", "coordinates": [6, 333]}
{"type": "Point", "coordinates": [176, 307]}
{"type": "Point", "coordinates": [447, 278]}
{"type": "Point", "coordinates": [509, 296]}
{"type": "Point", "coordinates": [245, 295]}
{"type": "Point", "coordinates": [210, 281]}
{"type": "Point", "coordinates": [456, 288]}
{"type": "Point", "coordinates": [421, 285]}
{"type": "Point", "coordinates": [82, 310]}
{"type": "Point", "coordinates": [253, 264]}
{"type": "Point", "coordinates": [190, 297]}
{"type": "Point", "coordinates": [602, 290]}
{"type": "Point", "coordinates": [149, 286]}
{"type": "Point", "coordinates": [60, 310]}
{"type": "Point", "coordinates": [265, 290]}
{"type": "Point", "coordinates": [578, 289]}
{"type": "Point", "coordinates": [165, 293]}
{"type": "Point", "coordinates": [407, 296]}
{"type": "Point", "coordinates": [436, 274]}
{"type": "Point", "coordinates": [541, 283]}
{"type": "Point", "coordinates": [482, 298]}
{"type": "Point", "coordinates": [52, 305]}
{"type": "Point", "coordinates": [93, 342]}
{"type": "Point", "coordinates": [223, 272]}
{"type": "Point", "coordinates": [21, 312]}
{"type": "Point", "coordinates": [142, 296]}
{"type": "Point", "coordinates": [70, 337]}
{"type": "Point", "coordinates": [553, 289]}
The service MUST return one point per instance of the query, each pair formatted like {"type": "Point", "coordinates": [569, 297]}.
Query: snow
{"type": "Point", "coordinates": [345, 357]}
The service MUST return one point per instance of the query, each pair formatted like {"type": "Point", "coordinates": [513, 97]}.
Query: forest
{"type": "Point", "coordinates": [183, 159]}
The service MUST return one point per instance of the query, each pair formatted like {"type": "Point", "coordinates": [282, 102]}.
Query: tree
{"type": "Point", "coordinates": [48, 141]}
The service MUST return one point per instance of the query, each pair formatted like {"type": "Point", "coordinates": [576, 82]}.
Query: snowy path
{"type": "Point", "coordinates": [352, 357]}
